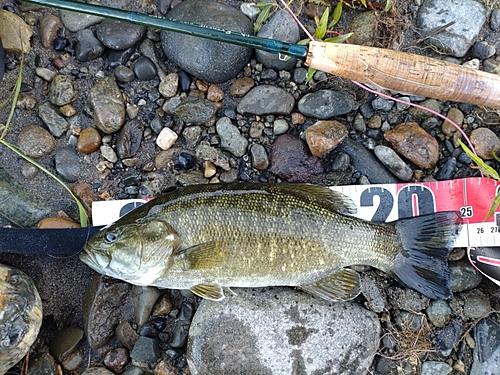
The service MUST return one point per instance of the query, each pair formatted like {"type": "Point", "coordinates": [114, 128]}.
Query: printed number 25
{"type": "Point", "coordinates": [466, 211]}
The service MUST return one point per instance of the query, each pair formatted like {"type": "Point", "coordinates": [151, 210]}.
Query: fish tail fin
{"type": "Point", "coordinates": [422, 264]}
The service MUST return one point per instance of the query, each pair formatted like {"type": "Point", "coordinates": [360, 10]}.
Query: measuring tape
{"type": "Point", "coordinates": [472, 197]}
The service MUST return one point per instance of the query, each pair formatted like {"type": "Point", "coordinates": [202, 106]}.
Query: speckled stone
{"type": "Point", "coordinates": [35, 141]}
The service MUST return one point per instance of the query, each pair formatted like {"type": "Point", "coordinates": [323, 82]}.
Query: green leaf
{"type": "Point", "coordinates": [263, 16]}
{"type": "Point", "coordinates": [493, 208]}
{"type": "Point", "coordinates": [483, 167]}
{"type": "Point", "coordinates": [339, 39]}
{"type": "Point", "coordinates": [388, 4]}
{"type": "Point", "coordinates": [304, 42]}
{"type": "Point", "coordinates": [310, 73]}
{"type": "Point", "coordinates": [363, 2]}
{"type": "Point", "coordinates": [337, 13]}
{"type": "Point", "coordinates": [323, 23]}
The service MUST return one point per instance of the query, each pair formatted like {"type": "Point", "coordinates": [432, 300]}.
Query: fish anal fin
{"type": "Point", "coordinates": [207, 255]}
{"type": "Point", "coordinates": [212, 292]}
{"type": "Point", "coordinates": [343, 285]}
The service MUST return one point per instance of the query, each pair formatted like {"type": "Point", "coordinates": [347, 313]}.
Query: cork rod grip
{"type": "Point", "coordinates": [407, 73]}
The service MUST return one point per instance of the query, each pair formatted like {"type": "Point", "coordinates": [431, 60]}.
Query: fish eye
{"type": "Point", "coordinates": [111, 237]}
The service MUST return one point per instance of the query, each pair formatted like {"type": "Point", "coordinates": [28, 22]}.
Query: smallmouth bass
{"type": "Point", "coordinates": [209, 237]}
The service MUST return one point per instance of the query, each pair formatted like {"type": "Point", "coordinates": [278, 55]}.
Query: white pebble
{"type": "Point", "coordinates": [108, 153]}
{"type": "Point", "coordinates": [166, 138]}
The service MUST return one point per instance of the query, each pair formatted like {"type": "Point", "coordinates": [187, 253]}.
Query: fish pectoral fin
{"type": "Point", "coordinates": [343, 285]}
{"type": "Point", "coordinates": [213, 292]}
{"type": "Point", "coordinates": [203, 256]}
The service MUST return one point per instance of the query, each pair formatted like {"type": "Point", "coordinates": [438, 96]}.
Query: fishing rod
{"type": "Point", "coordinates": [383, 68]}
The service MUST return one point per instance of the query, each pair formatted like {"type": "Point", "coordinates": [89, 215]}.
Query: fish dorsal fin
{"type": "Point", "coordinates": [340, 202]}
{"type": "Point", "coordinates": [212, 291]}
{"type": "Point", "coordinates": [207, 255]}
{"type": "Point", "coordinates": [343, 285]}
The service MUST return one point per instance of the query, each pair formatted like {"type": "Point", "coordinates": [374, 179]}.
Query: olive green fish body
{"type": "Point", "coordinates": [206, 237]}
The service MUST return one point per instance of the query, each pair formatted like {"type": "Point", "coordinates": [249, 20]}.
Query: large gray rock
{"type": "Point", "coordinates": [266, 100]}
{"type": "Point", "coordinates": [469, 17]}
{"type": "Point", "coordinates": [208, 60]}
{"type": "Point", "coordinates": [281, 331]}
{"type": "Point", "coordinates": [486, 354]}
{"type": "Point", "coordinates": [281, 27]}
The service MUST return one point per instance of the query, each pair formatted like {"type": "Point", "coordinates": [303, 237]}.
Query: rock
{"type": "Point", "coordinates": [45, 73]}
{"type": "Point", "coordinates": [108, 153]}
{"type": "Point", "coordinates": [144, 69]}
{"type": "Point", "coordinates": [250, 10]}
{"type": "Point", "coordinates": [323, 136]}
{"type": "Point", "coordinates": [230, 137]}
{"type": "Point", "coordinates": [210, 61]}
{"type": "Point", "coordinates": [67, 110]}
{"type": "Point", "coordinates": [363, 161]}
{"type": "Point", "coordinates": [76, 21]}
{"type": "Point", "coordinates": [126, 335]}
{"type": "Point", "coordinates": [476, 306]}
{"type": "Point", "coordinates": [116, 359]}
{"type": "Point", "coordinates": [414, 143]}
{"type": "Point", "coordinates": [97, 371]}
{"type": "Point", "coordinates": [209, 169]}
{"type": "Point", "coordinates": [485, 142]}
{"type": "Point", "coordinates": [291, 160]}
{"type": "Point", "coordinates": [129, 140]}
{"type": "Point", "coordinates": [65, 342]}
{"type": "Point", "coordinates": [179, 336]}
{"type": "Point", "coordinates": [107, 102]}
{"type": "Point", "coordinates": [143, 299]}
{"type": "Point", "coordinates": [241, 86]}
{"type": "Point", "coordinates": [166, 138]}
{"type": "Point", "coordinates": [486, 353]}
{"type": "Point", "coordinates": [84, 193]}
{"type": "Point", "coordinates": [265, 100]}
{"type": "Point", "coordinates": [68, 164]}
{"type": "Point", "coordinates": [280, 126]}
{"type": "Point", "coordinates": [54, 121]}
{"type": "Point", "coordinates": [35, 141]}
{"type": "Point", "coordinates": [421, 114]}
{"type": "Point", "coordinates": [89, 141]}
{"type": "Point", "coordinates": [88, 47]}
{"type": "Point", "coordinates": [375, 299]}
{"type": "Point", "coordinates": [49, 24]}
{"type": "Point", "coordinates": [235, 335]}
{"type": "Point", "coordinates": [259, 157]}
{"type": "Point", "coordinates": [119, 35]}
{"type": "Point", "coordinates": [439, 313]}
{"type": "Point", "coordinates": [123, 74]}
{"type": "Point", "coordinates": [206, 152]}
{"type": "Point", "coordinates": [468, 15]}
{"type": "Point", "coordinates": [20, 316]}
{"type": "Point", "coordinates": [192, 135]}
{"type": "Point", "coordinates": [393, 162]}
{"type": "Point", "coordinates": [148, 49]}
{"type": "Point", "coordinates": [436, 368]}
{"type": "Point", "coordinates": [215, 93]}
{"type": "Point", "coordinates": [446, 171]}
{"type": "Point", "coordinates": [101, 309]}
{"type": "Point", "coordinates": [455, 115]}
{"type": "Point", "coordinates": [195, 110]}
{"type": "Point", "coordinates": [62, 90]}
{"type": "Point", "coordinates": [146, 351]}
{"type": "Point", "coordinates": [19, 206]}
{"type": "Point", "coordinates": [479, 50]}
{"type": "Point", "coordinates": [382, 104]}
{"type": "Point", "coordinates": [280, 27]}
{"type": "Point", "coordinates": [44, 364]}
{"type": "Point", "coordinates": [495, 19]}
{"type": "Point", "coordinates": [324, 104]}
{"type": "Point", "coordinates": [363, 27]}
{"type": "Point", "coordinates": [14, 32]}
{"type": "Point", "coordinates": [168, 85]}
{"type": "Point", "coordinates": [463, 277]}
{"type": "Point", "coordinates": [447, 337]}
{"type": "Point", "coordinates": [341, 162]}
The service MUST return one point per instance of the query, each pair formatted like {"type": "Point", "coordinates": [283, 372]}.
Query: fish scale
{"type": "Point", "coordinates": [206, 237]}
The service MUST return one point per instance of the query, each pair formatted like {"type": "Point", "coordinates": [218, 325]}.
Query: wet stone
{"type": "Point", "coordinates": [421, 114]}
{"type": "Point", "coordinates": [97, 371]}
{"type": "Point", "coordinates": [49, 24]}
{"type": "Point", "coordinates": [382, 104]}
{"type": "Point", "coordinates": [144, 69]}
{"type": "Point", "coordinates": [446, 171]}
{"type": "Point", "coordinates": [280, 27]}
{"type": "Point", "coordinates": [436, 368]}
{"type": "Point", "coordinates": [447, 337]}
{"type": "Point", "coordinates": [259, 157]}
{"type": "Point", "coordinates": [455, 115]}
{"type": "Point", "coordinates": [76, 21]}
{"type": "Point", "coordinates": [120, 57]}
{"type": "Point", "coordinates": [230, 137]}
{"type": "Point", "coordinates": [67, 164]}
{"type": "Point", "coordinates": [265, 100]}
{"type": "Point", "coordinates": [280, 126]}
{"type": "Point", "coordinates": [438, 313]}
{"type": "Point", "coordinates": [126, 335]}
{"type": "Point", "coordinates": [241, 86]}
{"type": "Point", "coordinates": [119, 35]}
{"type": "Point", "coordinates": [88, 47]}
{"type": "Point", "coordinates": [148, 50]}
{"type": "Point", "coordinates": [107, 102]}
{"type": "Point", "coordinates": [291, 160]}
{"type": "Point", "coordinates": [414, 143]}
{"type": "Point", "coordinates": [179, 336]}
{"type": "Point", "coordinates": [485, 142]}
{"type": "Point", "coordinates": [341, 162]}
{"type": "Point", "coordinates": [486, 354]}
{"type": "Point", "coordinates": [393, 162]}
{"type": "Point", "coordinates": [89, 141]}
{"type": "Point", "coordinates": [168, 85]}
{"type": "Point", "coordinates": [463, 277]}
{"type": "Point", "coordinates": [195, 110]}
{"type": "Point", "coordinates": [324, 104]}
{"type": "Point", "coordinates": [123, 74]}
{"type": "Point", "coordinates": [54, 121]}
{"type": "Point", "coordinates": [210, 61]}
{"type": "Point", "coordinates": [43, 364]}
{"type": "Point", "coordinates": [476, 306]}
{"type": "Point", "coordinates": [143, 299]}
{"type": "Point", "coordinates": [35, 141]}
{"type": "Point", "coordinates": [62, 90]}
{"type": "Point", "coordinates": [215, 93]}
{"type": "Point", "coordinates": [130, 138]}
{"type": "Point", "coordinates": [108, 153]}
{"type": "Point", "coordinates": [102, 304]}
{"type": "Point", "coordinates": [65, 342]}
{"type": "Point", "coordinates": [323, 136]}
{"type": "Point", "coordinates": [116, 359]}
{"type": "Point", "coordinates": [146, 351]}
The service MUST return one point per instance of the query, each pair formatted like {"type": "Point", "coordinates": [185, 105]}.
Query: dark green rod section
{"type": "Point", "coordinates": [268, 45]}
